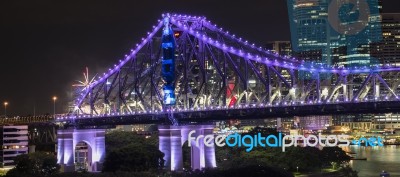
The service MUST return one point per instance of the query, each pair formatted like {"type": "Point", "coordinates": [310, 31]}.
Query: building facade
{"type": "Point", "coordinates": [388, 50]}
{"type": "Point", "coordinates": [357, 126]}
{"type": "Point", "coordinates": [386, 122]}
{"type": "Point", "coordinates": [14, 141]}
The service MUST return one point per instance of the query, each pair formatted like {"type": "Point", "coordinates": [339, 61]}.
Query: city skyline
{"type": "Point", "coordinates": [283, 88]}
{"type": "Point", "coordinates": [45, 54]}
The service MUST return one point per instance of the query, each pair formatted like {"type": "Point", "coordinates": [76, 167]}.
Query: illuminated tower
{"type": "Point", "coordinates": [168, 63]}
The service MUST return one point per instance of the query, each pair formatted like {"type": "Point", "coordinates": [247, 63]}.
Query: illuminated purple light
{"type": "Point", "coordinates": [176, 18]}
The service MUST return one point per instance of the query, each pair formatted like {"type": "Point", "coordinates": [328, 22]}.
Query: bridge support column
{"type": "Point", "coordinates": [65, 150]}
{"type": "Point", "coordinates": [170, 145]}
{"type": "Point", "coordinates": [172, 138]}
{"type": "Point", "coordinates": [209, 152]}
{"type": "Point", "coordinates": [67, 141]}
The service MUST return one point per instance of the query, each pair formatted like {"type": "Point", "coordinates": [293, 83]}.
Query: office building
{"type": "Point", "coordinates": [314, 123]}
{"type": "Point", "coordinates": [317, 38]}
{"type": "Point", "coordinates": [283, 48]}
{"type": "Point", "coordinates": [14, 141]}
{"type": "Point", "coordinates": [309, 29]}
{"type": "Point", "coordinates": [356, 127]}
{"type": "Point", "coordinates": [388, 50]}
{"type": "Point", "coordinates": [386, 122]}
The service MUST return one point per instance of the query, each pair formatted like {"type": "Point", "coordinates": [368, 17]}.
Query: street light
{"type": "Point", "coordinates": [54, 106]}
{"type": "Point", "coordinates": [5, 109]}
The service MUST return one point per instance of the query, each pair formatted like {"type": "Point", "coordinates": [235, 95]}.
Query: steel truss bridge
{"type": "Point", "coordinates": [220, 76]}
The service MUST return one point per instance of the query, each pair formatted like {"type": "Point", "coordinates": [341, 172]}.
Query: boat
{"type": "Point", "coordinates": [384, 174]}
{"type": "Point", "coordinates": [354, 157]}
{"type": "Point", "coordinates": [351, 153]}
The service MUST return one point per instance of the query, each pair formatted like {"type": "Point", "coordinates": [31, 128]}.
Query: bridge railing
{"type": "Point", "coordinates": [28, 119]}
{"type": "Point", "coordinates": [243, 106]}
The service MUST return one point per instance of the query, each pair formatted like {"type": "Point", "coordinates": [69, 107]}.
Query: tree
{"type": "Point", "coordinates": [127, 151]}
{"type": "Point", "coordinates": [301, 158]}
{"type": "Point", "coordinates": [334, 155]}
{"type": "Point", "coordinates": [255, 171]}
{"type": "Point", "coordinates": [245, 170]}
{"type": "Point", "coordinates": [37, 164]}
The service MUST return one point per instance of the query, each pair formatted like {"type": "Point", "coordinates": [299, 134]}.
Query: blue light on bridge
{"type": "Point", "coordinates": [169, 95]}
{"type": "Point", "coordinates": [168, 63]}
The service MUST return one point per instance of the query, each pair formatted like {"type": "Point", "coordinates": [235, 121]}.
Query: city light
{"type": "Point", "coordinates": [5, 109]}
{"type": "Point", "coordinates": [54, 106]}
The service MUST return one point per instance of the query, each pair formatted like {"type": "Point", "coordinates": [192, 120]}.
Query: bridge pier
{"type": "Point", "coordinates": [67, 142]}
{"type": "Point", "coordinates": [172, 138]}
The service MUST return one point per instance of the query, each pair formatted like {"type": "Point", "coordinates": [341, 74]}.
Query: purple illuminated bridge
{"type": "Point", "coordinates": [220, 76]}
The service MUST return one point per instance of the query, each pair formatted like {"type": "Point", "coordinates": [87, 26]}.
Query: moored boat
{"type": "Point", "coordinates": [384, 174]}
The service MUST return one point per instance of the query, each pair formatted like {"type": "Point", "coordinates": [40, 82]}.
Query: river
{"type": "Point", "coordinates": [378, 158]}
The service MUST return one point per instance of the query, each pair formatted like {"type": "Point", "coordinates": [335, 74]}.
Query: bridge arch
{"type": "Point", "coordinates": [83, 155]}
{"type": "Point", "coordinates": [68, 141]}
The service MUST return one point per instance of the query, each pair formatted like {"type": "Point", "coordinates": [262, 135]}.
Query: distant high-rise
{"type": "Point", "coordinates": [388, 50]}
{"type": "Point", "coordinates": [355, 42]}
{"type": "Point", "coordinates": [310, 29]}
{"type": "Point", "coordinates": [283, 48]}
{"type": "Point", "coordinates": [334, 32]}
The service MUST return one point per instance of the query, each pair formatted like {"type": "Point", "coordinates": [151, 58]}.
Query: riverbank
{"type": "Point", "coordinates": [328, 173]}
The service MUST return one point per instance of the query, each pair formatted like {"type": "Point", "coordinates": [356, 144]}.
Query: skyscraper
{"type": "Point", "coordinates": [334, 32]}
{"type": "Point", "coordinates": [359, 28]}
{"type": "Point", "coordinates": [310, 30]}
{"type": "Point", "coordinates": [388, 50]}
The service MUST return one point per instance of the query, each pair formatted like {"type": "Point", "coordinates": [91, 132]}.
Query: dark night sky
{"type": "Point", "coordinates": [46, 44]}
